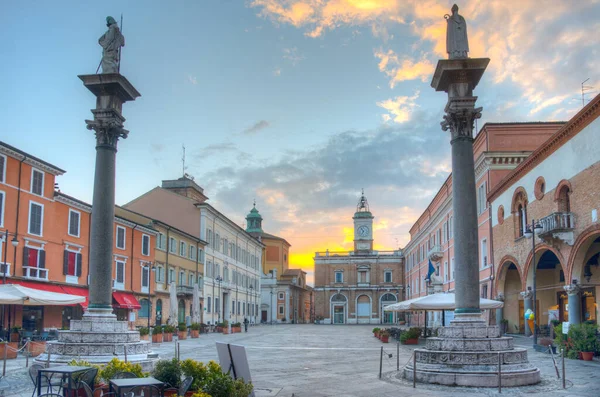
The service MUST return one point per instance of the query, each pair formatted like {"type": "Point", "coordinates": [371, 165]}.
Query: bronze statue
{"type": "Point", "coordinates": [457, 44]}
{"type": "Point", "coordinates": [111, 43]}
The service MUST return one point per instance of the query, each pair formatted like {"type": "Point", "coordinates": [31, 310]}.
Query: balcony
{"type": "Point", "coordinates": [185, 290]}
{"type": "Point", "coordinates": [37, 273]}
{"type": "Point", "coordinates": [559, 225]}
{"type": "Point", "coordinates": [435, 253]}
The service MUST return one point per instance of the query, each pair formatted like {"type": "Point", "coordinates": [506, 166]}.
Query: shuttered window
{"type": "Point", "coordinates": [36, 218]}
{"type": "Point", "coordinates": [72, 263]}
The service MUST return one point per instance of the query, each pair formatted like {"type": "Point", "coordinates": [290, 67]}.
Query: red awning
{"type": "Point", "coordinates": [79, 292]}
{"type": "Point", "coordinates": [41, 286]}
{"type": "Point", "coordinates": [126, 300]}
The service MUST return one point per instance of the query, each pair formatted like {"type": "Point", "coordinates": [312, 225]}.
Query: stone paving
{"type": "Point", "coordinates": [328, 360]}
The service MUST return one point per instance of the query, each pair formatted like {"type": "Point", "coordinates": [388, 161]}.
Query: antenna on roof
{"type": "Point", "coordinates": [183, 168]}
{"type": "Point", "coordinates": [585, 89]}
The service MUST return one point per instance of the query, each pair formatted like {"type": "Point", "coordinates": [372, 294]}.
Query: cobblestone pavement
{"type": "Point", "coordinates": [327, 360]}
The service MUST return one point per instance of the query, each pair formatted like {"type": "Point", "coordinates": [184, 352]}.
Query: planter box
{"type": "Point", "coordinates": [167, 337]}
{"type": "Point", "coordinates": [37, 348]}
{"type": "Point", "coordinates": [144, 337]}
{"type": "Point", "coordinates": [385, 339]}
{"type": "Point", "coordinates": [182, 335]}
{"type": "Point", "coordinates": [587, 356]}
{"type": "Point", "coordinates": [195, 334]}
{"type": "Point", "coordinates": [14, 337]}
{"type": "Point", "coordinates": [236, 329]}
{"type": "Point", "coordinates": [411, 342]}
{"type": "Point", "coordinates": [157, 338]}
{"type": "Point", "coordinates": [219, 329]}
{"type": "Point", "coordinates": [10, 353]}
{"type": "Point", "coordinates": [225, 330]}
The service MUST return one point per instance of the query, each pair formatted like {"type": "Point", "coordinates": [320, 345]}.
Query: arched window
{"type": "Point", "coordinates": [338, 298]}
{"type": "Point", "coordinates": [145, 308]}
{"type": "Point", "coordinates": [564, 201]}
{"type": "Point", "coordinates": [519, 211]}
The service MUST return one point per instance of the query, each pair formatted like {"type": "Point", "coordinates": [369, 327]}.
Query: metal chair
{"type": "Point", "coordinates": [146, 391]}
{"type": "Point", "coordinates": [51, 395]}
{"type": "Point", "coordinates": [88, 377]}
{"type": "Point", "coordinates": [124, 375]}
{"type": "Point", "coordinates": [183, 387]}
{"type": "Point", "coordinates": [46, 382]}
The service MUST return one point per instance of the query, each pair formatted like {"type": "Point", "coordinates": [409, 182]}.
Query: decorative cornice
{"type": "Point", "coordinates": [498, 161]}
{"type": "Point", "coordinates": [72, 203]}
{"type": "Point", "coordinates": [581, 120]}
{"type": "Point", "coordinates": [29, 159]}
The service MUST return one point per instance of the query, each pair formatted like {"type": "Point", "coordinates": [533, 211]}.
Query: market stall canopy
{"type": "Point", "coordinates": [13, 294]}
{"type": "Point", "coordinates": [441, 301]}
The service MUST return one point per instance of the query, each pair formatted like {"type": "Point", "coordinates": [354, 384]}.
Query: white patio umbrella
{"type": "Point", "coordinates": [440, 301]}
{"type": "Point", "coordinates": [14, 294]}
{"type": "Point", "coordinates": [173, 305]}
{"type": "Point", "coordinates": [196, 304]}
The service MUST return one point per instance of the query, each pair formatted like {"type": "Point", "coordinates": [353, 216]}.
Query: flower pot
{"type": "Point", "coordinates": [100, 390]}
{"type": "Point", "coordinates": [11, 350]}
{"type": "Point", "coordinates": [219, 329]}
{"type": "Point", "coordinates": [195, 333]}
{"type": "Point", "coordinates": [385, 339]}
{"type": "Point", "coordinates": [182, 335]}
{"type": "Point", "coordinates": [587, 356]}
{"type": "Point", "coordinates": [411, 342]}
{"type": "Point", "coordinates": [168, 337]}
{"type": "Point", "coordinates": [157, 338]}
{"type": "Point", "coordinates": [238, 329]}
{"type": "Point", "coordinates": [14, 337]}
{"type": "Point", "coordinates": [144, 337]}
{"type": "Point", "coordinates": [37, 348]}
{"type": "Point", "coordinates": [225, 330]}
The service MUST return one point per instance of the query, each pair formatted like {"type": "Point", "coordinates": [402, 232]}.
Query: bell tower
{"type": "Point", "coordinates": [363, 226]}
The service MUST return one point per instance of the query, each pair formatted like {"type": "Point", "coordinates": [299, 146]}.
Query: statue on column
{"type": "Point", "coordinates": [111, 43]}
{"type": "Point", "coordinates": [457, 44]}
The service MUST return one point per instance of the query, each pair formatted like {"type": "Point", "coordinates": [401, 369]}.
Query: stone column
{"type": "Point", "coordinates": [573, 290]}
{"type": "Point", "coordinates": [500, 312]}
{"type": "Point", "coordinates": [111, 91]}
{"type": "Point", "coordinates": [527, 304]}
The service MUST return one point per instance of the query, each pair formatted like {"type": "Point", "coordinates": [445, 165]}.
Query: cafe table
{"type": "Point", "coordinates": [66, 372]}
{"type": "Point", "coordinates": [117, 384]}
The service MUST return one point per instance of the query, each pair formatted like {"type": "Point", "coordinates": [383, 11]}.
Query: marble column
{"type": "Point", "coordinates": [500, 312]}
{"type": "Point", "coordinates": [574, 292]}
{"type": "Point", "coordinates": [111, 91]}
{"type": "Point", "coordinates": [527, 305]}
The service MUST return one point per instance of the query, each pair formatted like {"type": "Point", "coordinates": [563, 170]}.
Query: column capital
{"type": "Point", "coordinates": [527, 294]}
{"type": "Point", "coordinates": [108, 126]}
{"type": "Point", "coordinates": [572, 289]}
{"type": "Point", "coordinates": [460, 117]}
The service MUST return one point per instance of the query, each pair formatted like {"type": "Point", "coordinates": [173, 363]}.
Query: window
{"type": "Point", "coordinates": [217, 306]}
{"type": "Point", "coordinates": [452, 268]}
{"type": "Point", "coordinates": [225, 246]}
{"type": "Point", "coordinates": [238, 307]}
{"type": "Point", "coordinates": [481, 198]}
{"type": "Point", "coordinates": [208, 305]}
{"type": "Point", "coordinates": [120, 240]}
{"type": "Point", "coordinates": [36, 218]}
{"type": "Point", "coordinates": [200, 255]}
{"type": "Point", "coordinates": [233, 307]}
{"type": "Point", "coordinates": [182, 278]}
{"type": "Point", "coordinates": [161, 242]}
{"type": "Point", "coordinates": [484, 255]}
{"type": "Point", "coordinates": [339, 277]}
{"type": "Point", "coordinates": [451, 227]}
{"type": "Point", "coordinates": [191, 279]}
{"type": "Point", "coordinates": [192, 252]}
{"type": "Point", "coordinates": [281, 297]}
{"type": "Point", "coordinates": [74, 223]}
{"type": "Point", "coordinates": [217, 243]}
{"type": "Point", "coordinates": [2, 168]}
{"type": "Point", "coordinates": [145, 277]}
{"type": "Point", "coordinates": [484, 291]}
{"type": "Point", "coordinates": [71, 263]}
{"type": "Point", "coordinates": [281, 309]}
{"type": "Point", "coordinates": [209, 236]}
{"type": "Point", "coordinates": [172, 245]}
{"type": "Point", "coordinates": [37, 182]}
{"type": "Point", "coordinates": [120, 274]}
{"type": "Point", "coordinates": [160, 274]}
{"type": "Point", "coordinates": [144, 309]}
{"type": "Point", "coordinates": [387, 276]}
{"type": "Point", "coordinates": [1, 207]}
{"type": "Point", "coordinates": [363, 276]}
{"type": "Point", "coordinates": [182, 249]}
{"type": "Point", "coordinates": [171, 276]}
{"type": "Point", "coordinates": [145, 245]}
{"type": "Point", "coordinates": [446, 271]}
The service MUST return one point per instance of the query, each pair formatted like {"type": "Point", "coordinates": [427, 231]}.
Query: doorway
{"type": "Point", "coordinates": [338, 314]}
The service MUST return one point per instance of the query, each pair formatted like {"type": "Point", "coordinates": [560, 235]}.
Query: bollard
{"type": "Point", "coordinates": [178, 352]}
{"type": "Point", "coordinates": [48, 360]}
{"type": "Point", "coordinates": [414, 369]}
{"type": "Point", "coordinates": [380, 362]}
{"type": "Point", "coordinates": [125, 352]}
{"type": "Point", "coordinates": [398, 356]}
{"type": "Point", "coordinates": [27, 354]}
{"type": "Point", "coordinates": [499, 372]}
{"type": "Point", "coordinates": [4, 366]}
{"type": "Point", "coordinates": [563, 368]}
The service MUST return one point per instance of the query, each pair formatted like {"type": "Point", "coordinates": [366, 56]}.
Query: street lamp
{"type": "Point", "coordinates": [219, 279]}
{"type": "Point", "coordinates": [271, 305]}
{"type": "Point", "coordinates": [151, 268]}
{"type": "Point", "coordinates": [252, 300]}
{"type": "Point", "coordinates": [15, 243]}
{"type": "Point", "coordinates": [407, 298]}
{"type": "Point", "coordinates": [530, 232]}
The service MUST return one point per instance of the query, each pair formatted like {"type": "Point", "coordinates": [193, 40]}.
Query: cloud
{"type": "Point", "coordinates": [256, 127]}
{"type": "Point", "coordinates": [192, 79]}
{"type": "Point", "coordinates": [399, 70]}
{"type": "Point", "coordinates": [277, 72]}
{"type": "Point", "coordinates": [215, 150]}
{"type": "Point", "coordinates": [157, 147]}
{"type": "Point", "coordinates": [399, 108]}
{"type": "Point", "coordinates": [291, 55]}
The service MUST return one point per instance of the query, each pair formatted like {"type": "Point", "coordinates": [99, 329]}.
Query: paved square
{"type": "Point", "coordinates": [328, 360]}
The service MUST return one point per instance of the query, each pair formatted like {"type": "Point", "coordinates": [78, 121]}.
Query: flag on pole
{"type": "Point", "coordinates": [430, 271]}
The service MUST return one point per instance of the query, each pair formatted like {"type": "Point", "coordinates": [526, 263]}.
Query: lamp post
{"type": "Point", "coordinates": [15, 244]}
{"type": "Point", "coordinates": [530, 232]}
{"type": "Point", "coordinates": [271, 305]}
{"type": "Point", "coordinates": [151, 268]}
{"type": "Point", "coordinates": [218, 280]}
{"type": "Point", "coordinates": [407, 298]}
{"type": "Point", "coordinates": [252, 300]}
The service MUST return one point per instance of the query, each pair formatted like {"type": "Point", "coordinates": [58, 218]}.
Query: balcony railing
{"type": "Point", "coordinates": [557, 222]}
{"type": "Point", "coordinates": [35, 272]}
{"type": "Point", "coordinates": [435, 253]}
{"type": "Point", "coordinates": [185, 290]}
{"type": "Point", "coordinates": [5, 268]}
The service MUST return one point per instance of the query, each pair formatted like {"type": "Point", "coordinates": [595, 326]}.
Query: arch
{"type": "Point", "coordinates": [501, 215]}
{"type": "Point", "coordinates": [338, 297]}
{"type": "Point", "coordinates": [389, 297]}
{"type": "Point", "coordinates": [338, 308]}
{"type": "Point", "coordinates": [540, 188]}
{"type": "Point", "coordinates": [144, 311]}
{"type": "Point", "coordinates": [518, 209]}
{"type": "Point", "coordinates": [560, 186]}
{"type": "Point", "coordinates": [364, 308]}
{"type": "Point", "coordinates": [519, 196]}
{"type": "Point", "coordinates": [579, 250]}
{"type": "Point", "coordinates": [503, 267]}
{"type": "Point", "coordinates": [541, 248]}
{"type": "Point", "coordinates": [181, 311]}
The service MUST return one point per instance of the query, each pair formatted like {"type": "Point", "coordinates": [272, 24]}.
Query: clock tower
{"type": "Point", "coordinates": [363, 226]}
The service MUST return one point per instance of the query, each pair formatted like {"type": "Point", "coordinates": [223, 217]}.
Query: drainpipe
{"type": "Point", "coordinates": [131, 265]}
{"type": "Point", "coordinates": [17, 220]}
{"type": "Point", "coordinates": [167, 255]}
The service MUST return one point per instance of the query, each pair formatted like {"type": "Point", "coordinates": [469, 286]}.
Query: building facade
{"type": "Point", "coordinates": [498, 148]}
{"type": "Point", "coordinates": [557, 189]}
{"type": "Point", "coordinates": [353, 287]}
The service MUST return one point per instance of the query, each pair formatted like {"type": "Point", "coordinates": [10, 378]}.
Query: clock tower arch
{"type": "Point", "coordinates": [363, 226]}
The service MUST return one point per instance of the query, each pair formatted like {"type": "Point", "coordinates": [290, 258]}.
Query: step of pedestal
{"type": "Point", "coordinates": [513, 356]}
{"type": "Point", "coordinates": [469, 344]}
{"type": "Point", "coordinates": [459, 331]}
{"type": "Point", "coordinates": [98, 337]}
{"type": "Point", "coordinates": [103, 325]}
{"type": "Point", "coordinates": [97, 349]}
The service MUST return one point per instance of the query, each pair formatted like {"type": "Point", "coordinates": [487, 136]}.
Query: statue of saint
{"type": "Point", "coordinates": [111, 43]}
{"type": "Point", "coordinates": [457, 44]}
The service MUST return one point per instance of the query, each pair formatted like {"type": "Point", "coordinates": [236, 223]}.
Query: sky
{"type": "Point", "coordinates": [297, 104]}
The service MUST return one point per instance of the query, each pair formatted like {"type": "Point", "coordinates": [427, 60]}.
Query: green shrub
{"type": "Point", "coordinates": [219, 384]}
{"type": "Point", "coordinates": [157, 330]}
{"type": "Point", "coordinates": [195, 327]}
{"type": "Point", "coordinates": [236, 324]}
{"type": "Point", "coordinates": [376, 329]}
{"type": "Point", "coordinates": [144, 331]}
{"type": "Point", "coordinates": [115, 365]}
{"type": "Point", "coordinates": [584, 337]}
{"type": "Point", "coordinates": [182, 327]}
{"type": "Point", "coordinates": [197, 370]}
{"type": "Point", "coordinates": [168, 329]}
{"type": "Point", "coordinates": [412, 333]}
{"type": "Point", "coordinates": [168, 371]}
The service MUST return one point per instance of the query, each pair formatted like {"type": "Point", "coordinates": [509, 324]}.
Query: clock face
{"type": "Point", "coordinates": [363, 231]}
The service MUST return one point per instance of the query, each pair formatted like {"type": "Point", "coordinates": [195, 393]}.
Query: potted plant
{"type": "Point", "coordinates": [584, 340]}
{"type": "Point", "coordinates": [195, 330]}
{"type": "Point", "coordinates": [225, 327]}
{"type": "Point", "coordinates": [14, 334]}
{"type": "Point", "coordinates": [182, 331]}
{"type": "Point", "coordinates": [115, 365]}
{"type": "Point", "coordinates": [236, 327]}
{"type": "Point", "coordinates": [157, 334]}
{"type": "Point", "coordinates": [204, 328]}
{"type": "Point", "coordinates": [168, 371]}
{"type": "Point", "coordinates": [384, 336]}
{"type": "Point", "coordinates": [376, 332]}
{"type": "Point", "coordinates": [144, 333]}
{"type": "Point", "coordinates": [411, 336]}
{"type": "Point", "coordinates": [168, 331]}
{"type": "Point", "coordinates": [219, 327]}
